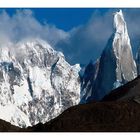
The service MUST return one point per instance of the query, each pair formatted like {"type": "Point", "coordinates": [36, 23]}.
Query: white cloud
{"type": "Point", "coordinates": [88, 41]}
{"type": "Point", "coordinates": [23, 24]}
{"type": "Point", "coordinates": [79, 45]}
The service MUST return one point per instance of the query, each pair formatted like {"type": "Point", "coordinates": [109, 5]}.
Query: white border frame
{"type": "Point", "coordinates": [69, 3]}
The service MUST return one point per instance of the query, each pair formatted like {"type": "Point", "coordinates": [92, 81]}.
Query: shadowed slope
{"type": "Point", "coordinates": [130, 91]}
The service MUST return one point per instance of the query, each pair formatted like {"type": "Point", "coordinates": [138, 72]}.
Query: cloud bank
{"type": "Point", "coordinates": [23, 24]}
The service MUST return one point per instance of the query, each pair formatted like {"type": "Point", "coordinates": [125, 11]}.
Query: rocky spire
{"type": "Point", "coordinates": [116, 64]}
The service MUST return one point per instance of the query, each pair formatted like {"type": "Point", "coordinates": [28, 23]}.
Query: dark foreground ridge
{"type": "Point", "coordinates": [118, 112]}
{"type": "Point", "coordinates": [128, 92]}
{"type": "Point", "coordinates": [7, 127]}
{"type": "Point", "coordinates": [96, 117]}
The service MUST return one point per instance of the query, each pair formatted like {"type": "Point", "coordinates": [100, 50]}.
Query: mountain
{"type": "Point", "coordinates": [116, 64]}
{"type": "Point", "coordinates": [36, 83]}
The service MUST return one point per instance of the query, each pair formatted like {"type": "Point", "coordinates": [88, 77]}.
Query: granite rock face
{"type": "Point", "coordinates": [116, 64]}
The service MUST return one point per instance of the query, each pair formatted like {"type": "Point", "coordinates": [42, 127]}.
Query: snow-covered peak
{"type": "Point", "coordinates": [36, 81]}
{"type": "Point", "coordinates": [119, 23]}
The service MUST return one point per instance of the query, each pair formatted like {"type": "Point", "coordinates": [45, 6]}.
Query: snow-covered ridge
{"type": "Point", "coordinates": [36, 83]}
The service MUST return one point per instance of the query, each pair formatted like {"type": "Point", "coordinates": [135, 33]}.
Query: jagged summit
{"type": "Point", "coordinates": [116, 64]}
{"type": "Point", "coordinates": [36, 83]}
{"type": "Point", "coordinates": [119, 23]}
{"type": "Point", "coordinates": [126, 66]}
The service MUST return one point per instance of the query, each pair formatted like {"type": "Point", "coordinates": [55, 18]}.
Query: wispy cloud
{"type": "Point", "coordinates": [23, 24]}
{"type": "Point", "coordinates": [88, 41]}
{"type": "Point", "coordinates": [79, 45]}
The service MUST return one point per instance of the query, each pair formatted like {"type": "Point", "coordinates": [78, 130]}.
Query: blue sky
{"type": "Point", "coordinates": [80, 33]}
{"type": "Point", "coordinates": [63, 18]}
